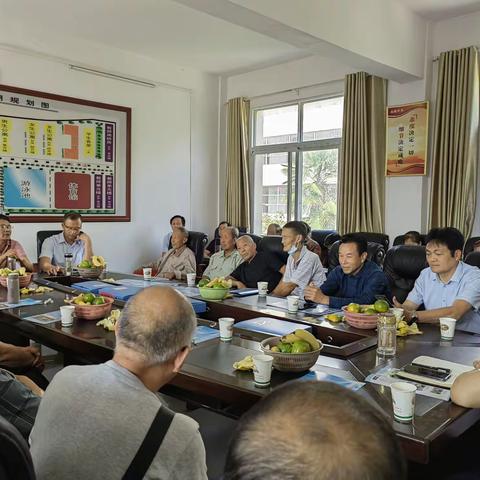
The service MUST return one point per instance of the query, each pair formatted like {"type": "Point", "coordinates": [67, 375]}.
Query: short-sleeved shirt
{"type": "Point", "coordinates": [464, 285]}
{"type": "Point", "coordinates": [222, 266]}
{"type": "Point", "coordinates": [92, 420]}
{"type": "Point", "coordinates": [307, 269]}
{"type": "Point", "coordinates": [17, 248]}
{"type": "Point", "coordinates": [55, 248]}
{"type": "Point", "coordinates": [18, 404]}
{"type": "Point", "coordinates": [264, 267]}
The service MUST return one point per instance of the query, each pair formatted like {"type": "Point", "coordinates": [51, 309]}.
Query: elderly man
{"type": "Point", "coordinates": [224, 262]}
{"type": "Point", "coordinates": [179, 260]}
{"type": "Point", "coordinates": [303, 266]}
{"type": "Point", "coordinates": [257, 266]}
{"type": "Point", "coordinates": [448, 287]}
{"type": "Point", "coordinates": [355, 280]}
{"type": "Point", "coordinates": [72, 240]}
{"type": "Point", "coordinates": [323, 432]}
{"type": "Point", "coordinates": [93, 419]}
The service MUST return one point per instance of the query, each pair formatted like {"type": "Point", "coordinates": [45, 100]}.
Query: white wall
{"type": "Point", "coordinates": [174, 141]}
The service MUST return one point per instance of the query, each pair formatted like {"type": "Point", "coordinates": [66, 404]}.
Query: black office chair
{"type": "Point", "coordinates": [469, 245]}
{"type": "Point", "coordinates": [320, 235]}
{"type": "Point", "coordinates": [401, 238]}
{"type": "Point", "coordinates": [197, 242]}
{"type": "Point", "coordinates": [473, 258]}
{"type": "Point", "coordinates": [15, 460]}
{"type": "Point", "coordinates": [380, 238]}
{"type": "Point", "coordinates": [375, 253]}
{"type": "Point", "coordinates": [330, 239]}
{"type": "Point", "coordinates": [42, 235]}
{"type": "Point", "coordinates": [273, 245]}
{"type": "Point", "coordinates": [403, 264]}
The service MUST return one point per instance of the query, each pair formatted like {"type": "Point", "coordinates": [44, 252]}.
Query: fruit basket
{"type": "Point", "coordinates": [363, 321]}
{"type": "Point", "coordinates": [90, 311]}
{"type": "Point", "coordinates": [24, 280]}
{"type": "Point", "coordinates": [290, 362]}
{"type": "Point", "coordinates": [93, 268]}
{"type": "Point", "coordinates": [93, 272]}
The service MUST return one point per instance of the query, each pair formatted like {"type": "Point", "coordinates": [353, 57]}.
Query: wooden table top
{"type": "Point", "coordinates": [208, 377]}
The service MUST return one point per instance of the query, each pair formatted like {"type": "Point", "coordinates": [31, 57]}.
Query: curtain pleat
{"type": "Point", "coordinates": [361, 205]}
{"type": "Point", "coordinates": [237, 192]}
{"type": "Point", "coordinates": [454, 161]}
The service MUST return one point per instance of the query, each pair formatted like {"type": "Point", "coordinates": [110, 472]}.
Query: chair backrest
{"type": "Point", "coordinates": [255, 238]}
{"type": "Point", "coordinates": [330, 239]}
{"type": "Point", "coordinates": [273, 245]}
{"type": "Point", "coordinates": [473, 258]}
{"type": "Point", "coordinates": [469, 245]}
{"type": "Point", "coordinates": [197, 241]}
{"type": "Point", "coordinates": [402, 266]}
{"type": "Point", "coordinates": [320, 236]}
{"type": "Point", "coordinates": [42, 235]}
{"type": "Point", "coordinates": [375, 253]}
{"type": "Point", "coordinates": [15, 459]}
{"type": "Point", "coordinates": [401, 238]}
{"type": "Point", "coordinates": [380, 238]}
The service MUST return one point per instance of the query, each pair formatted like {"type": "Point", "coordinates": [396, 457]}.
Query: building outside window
{"type": "Point", "coordinates": [295, 162]}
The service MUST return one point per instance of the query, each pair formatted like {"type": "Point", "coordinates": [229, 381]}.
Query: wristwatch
{"type": "Point", "coordinates": [413, 317]}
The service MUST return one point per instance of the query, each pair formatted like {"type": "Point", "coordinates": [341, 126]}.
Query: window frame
{"type": "Point", "coordinates": [298, 147]}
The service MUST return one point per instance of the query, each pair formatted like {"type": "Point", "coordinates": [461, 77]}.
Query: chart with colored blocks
{"type": "Point", "coordinates": [54, 159]}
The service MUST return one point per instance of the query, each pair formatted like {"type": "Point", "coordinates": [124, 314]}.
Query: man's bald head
{"type": "Point", "coordinates": [314, 430]}
{"type": "Point", "coordinates": [156, 323]}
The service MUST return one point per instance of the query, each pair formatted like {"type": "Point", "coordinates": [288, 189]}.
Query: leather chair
{"type": "Point", "coordinates": [401, 238]}
{"type": "Point", "coordinates": [380, 238]}
{"type": "Point", "coordinates": [375, 252]}
{"type": "Point", "coordinates": [256, 238]}
{"type": "Point", "coordinates": [42, 235]}
{"type": "Point", "coordinates": [473, 258]}
{"type": "Point", "coordinates": [197, 241]}
{"type": "Point", "coordinates": [15, 459]}
{"type": "Point", "coordinates": [402, 266]}
{"type": "Point", "coordinates": [320, 237]}
{"type": "Point", "coordinates": [469, 245]}
{"type": "Point", "coordinates": [330, 239]}
{"type": "Point", "coordinates": [273, 245]}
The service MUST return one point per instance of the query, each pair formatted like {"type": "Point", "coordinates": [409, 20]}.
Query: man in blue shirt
{"type": "Point", "coordinates": [355, 280]}
{"type": "Point", "coordinates": [447, 287]}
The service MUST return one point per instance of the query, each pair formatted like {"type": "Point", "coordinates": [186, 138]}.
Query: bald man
{"type": "Point", "coordinates": [256, 266]}
{"type": "Point", "coordinates": [96, 417]}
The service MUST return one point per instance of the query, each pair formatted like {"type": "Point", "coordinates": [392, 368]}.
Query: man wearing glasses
{"type": "Point", "coordinates": [72, 240]}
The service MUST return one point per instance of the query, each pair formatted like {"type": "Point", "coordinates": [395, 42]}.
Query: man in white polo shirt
{"type": "Point", "coordinates": [303, 267]}
{"type": "Point", "coordinates": [448, 287]}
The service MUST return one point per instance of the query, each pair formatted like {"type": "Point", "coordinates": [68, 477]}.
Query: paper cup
{"type": "Point", "coordinates": [147, 273]}
{"type": "Point", "coordinates": [262, 370]}
{"type": "Point", "coordinates": [292, 303]}
{"type": "Point", "coordinates": [191, 279]}
{"type": "Point", "coordinates": [226, 328]}
{"type": "Point", "coordinates": [403, 399]}
{"type": "Point", "coordinates": [66, 313]}
{"type": "Point", "coordinates": [262, 289]}
{"type": "Point", "coordinates": [398, 313]}
{"type": "Point", "coordinates": [447, 328]}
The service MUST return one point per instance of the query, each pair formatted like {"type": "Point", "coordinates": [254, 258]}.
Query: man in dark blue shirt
{"type": "Point", "coordinates": [355, 280]}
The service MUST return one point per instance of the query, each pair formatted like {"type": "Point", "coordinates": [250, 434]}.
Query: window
{"type": "Point", "coordinates": [295, 159]}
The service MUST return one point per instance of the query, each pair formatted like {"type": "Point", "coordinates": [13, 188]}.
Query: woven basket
{"type": "Point", "coordinates": [93, 272]}
{"type": "Point", "coordinates": [94, 312]}
{"type": "Point", "coordinates": [289, 362]}
{"type": "Point", "coordinates": [360, 320]}
{"type": "Point", "coordinates": [24, 280]}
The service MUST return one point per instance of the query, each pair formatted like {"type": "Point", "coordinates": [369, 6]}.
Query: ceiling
{"type": "Point", "coordinates": [441, 9]}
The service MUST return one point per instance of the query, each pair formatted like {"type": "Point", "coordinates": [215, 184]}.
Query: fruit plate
{"type": "Point", "coordinates": [290, 362]}
{"type": "Point", "coordinates": [94, 312]}
{"type": "Point", "coordinates": [213, 293]}
{"type": "Point", "coordinates": [23, 280]}
{"type": "Point", "coordinates": [93, 272]}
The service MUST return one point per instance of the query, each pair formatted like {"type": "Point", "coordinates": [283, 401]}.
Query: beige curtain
{"type": "Point", "coordinates": [237, 201]}
{"type": "Point", "coordinates": [454, 161]}
{"type": "Point", "coordinates": [361, 206]}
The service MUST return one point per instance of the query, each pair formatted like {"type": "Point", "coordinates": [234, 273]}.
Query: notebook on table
{"type": "Point", "coordinates": [271, 326]}
{"type": "Point", "coordinates": [93, 286]}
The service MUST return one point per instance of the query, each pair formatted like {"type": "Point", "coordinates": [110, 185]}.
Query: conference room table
{"type": "Point", "coordinates": [207, 378]}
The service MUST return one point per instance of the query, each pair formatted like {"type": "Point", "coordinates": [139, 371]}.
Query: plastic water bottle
{"type": "Point", "coordinates": [387, 335]}
{"type": "Point", "coordinates": [68, 264]}
{"type": "Point", "coordinates": [13, 288]}
{"type": "Point", "coordinates": [12, 263]}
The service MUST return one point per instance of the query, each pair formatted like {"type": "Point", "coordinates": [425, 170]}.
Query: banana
{"type": "Point", "coordinates": [290, 338]}
{"type": "Point", "coordinates": [244, 364]}
{"type": "Point", "coordinates": [309, 338]}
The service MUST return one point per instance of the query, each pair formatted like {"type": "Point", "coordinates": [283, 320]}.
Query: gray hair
{"type": "Point", "coordinates": [233, 232]}
{"type": "Point", "coordinates": [246, 238]}
{"type": "Point", "coordinates": [183, 230]}
{"type": "Point", "coordinates": [156, 323]}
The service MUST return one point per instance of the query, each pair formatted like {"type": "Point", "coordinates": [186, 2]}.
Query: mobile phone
{"type": "Point", "coordinates": [437, 373]}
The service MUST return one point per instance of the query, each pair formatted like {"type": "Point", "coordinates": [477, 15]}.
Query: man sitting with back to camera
{"type": "Point", "coordinates": [71, 240]}
{"type": "Point", "coordinates": [93, 419]}
{"type": "Point", "coordinates": [448, 287]}
{"type": "Point", "coordinates": [303, 266]}
{"type": "Point", "coordinates": [256, 266]}
{"type": "Point", "coordinates": [224, 262]}
{"type": "Point", "coordinates": [333, 433]}
{"type": "Point", "coordinates": [355, 280]}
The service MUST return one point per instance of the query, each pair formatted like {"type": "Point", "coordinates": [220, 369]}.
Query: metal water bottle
{"type": "Point", "coordinates": [12, 263]}
{"type": "Point", "coordinates": [13, 288]}
{"type": "Point", "coordinates": [68, 264]}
